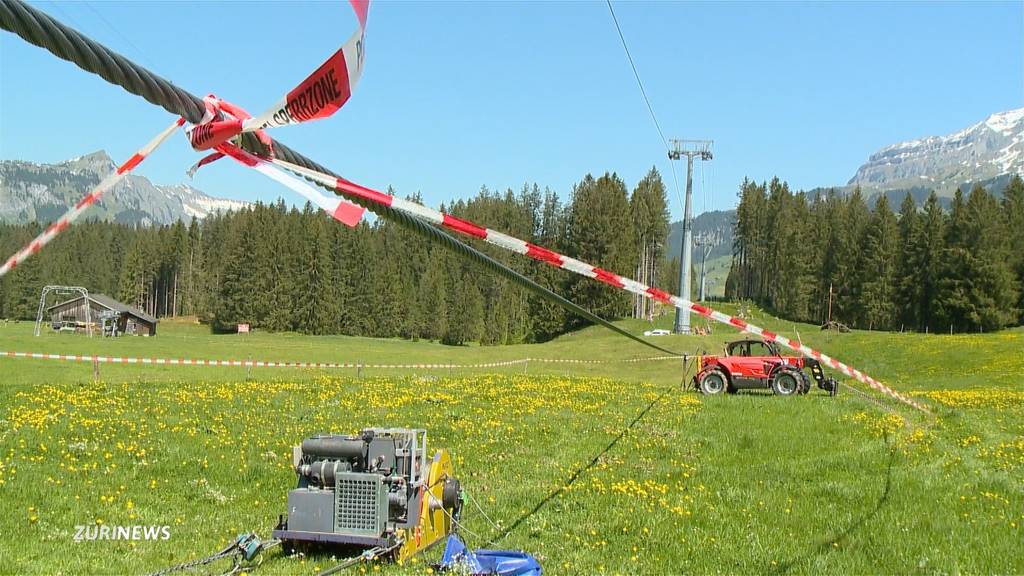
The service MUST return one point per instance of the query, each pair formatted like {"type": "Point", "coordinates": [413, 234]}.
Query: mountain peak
{"type": "Point", "coordinates": [991, 149]}
{"type": "Point", "coordinates": [42, 192]}
{"type": "Point", "coordinates": [99, 162]}
{"type": "Point", "coordinates": [1006, 122]}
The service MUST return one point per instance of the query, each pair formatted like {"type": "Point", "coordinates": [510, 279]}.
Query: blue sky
{"type": "Point", "coordinates": [459, 95]}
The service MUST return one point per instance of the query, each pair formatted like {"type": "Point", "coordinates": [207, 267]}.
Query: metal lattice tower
{"type": "Point", "coordinates": [690, 149]}
{"type": "Point", "coordinates": [64, 291]}
{"type": "Point", "coordinates": [705, 244]}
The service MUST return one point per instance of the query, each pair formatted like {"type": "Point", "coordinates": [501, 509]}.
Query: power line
{"type": "Point", "coordinates": [647, 101]}
{"type": "Point", "coordinates": [117, 31]}
{"type": "Point", "coordinates": [637, 75]}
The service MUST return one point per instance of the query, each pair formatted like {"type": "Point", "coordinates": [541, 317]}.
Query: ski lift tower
{"type": "Point", "coordinates": [702, 150]}
{"type": "Point", "coordinates": [703, 243]}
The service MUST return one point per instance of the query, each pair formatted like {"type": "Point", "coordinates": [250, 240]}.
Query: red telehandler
{"type": "Point", "coordinates": [756, 364]}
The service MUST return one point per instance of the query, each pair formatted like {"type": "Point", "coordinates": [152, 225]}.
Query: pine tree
{"type": "Point", "coordinates": [432, 305]}
{"type": "Point", "coordinates": [547, 319]}
{"type": "Point", "coordinates": [747, 275]}
{"type": "Point", "coordinates": [466, 313]}
{"type": "Point", "coordinates": [650, 217]}
{"type": "Point", "coordinates": [849, 232]}
{"type": "Point", "coordinates": [994, 291]}
{"type": "Point", "coordinates": [317, 306]}
{"type": "Point", "coordinates": [878, 282]}
{"type": "Point", "coordinates": [1013, 211]}
{"type": "Point", "coordinates": [955, 282]}
{"type": "Point", "coordinates": [284, 248]}
{"type": "Point", "coordinates": [908, 284]}
{"type": "Point", "coordinates": [599, 233]}
{"type": "Point", "coordinates": [132, 284]}
{"type": "Point", "coordinates": [928, 254]}
{"type": "Point", "coordinates": [232, 304]}
{"type": "Point", "coordinates": [790, 291]}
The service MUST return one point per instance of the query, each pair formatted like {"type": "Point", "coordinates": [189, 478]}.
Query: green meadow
{"type": "Point", "coordinates": [605, 468]}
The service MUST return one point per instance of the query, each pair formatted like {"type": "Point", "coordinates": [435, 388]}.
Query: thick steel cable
{"type": "Point", "coordinates": [40, 29]}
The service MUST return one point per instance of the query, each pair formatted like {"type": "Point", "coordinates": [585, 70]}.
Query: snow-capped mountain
{"type": "Point", "coordinates": [42, 192]}
{"type": "Point", "coordinates": [987, 152]}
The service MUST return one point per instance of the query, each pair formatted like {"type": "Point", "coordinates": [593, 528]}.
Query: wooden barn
{"type": "Point", "coordinates": [113, 317]}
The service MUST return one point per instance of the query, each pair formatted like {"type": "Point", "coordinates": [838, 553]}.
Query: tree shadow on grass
{"type": "Point", "coordinates": [829, 543]}
{"type": "Point", "coordinates": [579, 471]}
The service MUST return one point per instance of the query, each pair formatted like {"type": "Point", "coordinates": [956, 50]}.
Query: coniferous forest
{"type": "Point", "coordinates": [286, 269]}
{"type": "Point", "coordinates": [919, 268]}
{"type": "Point", "coordinates": [915, 268]}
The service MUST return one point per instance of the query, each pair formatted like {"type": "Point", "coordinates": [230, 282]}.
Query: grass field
{"type": "Point", "coordinates": [596, 468]}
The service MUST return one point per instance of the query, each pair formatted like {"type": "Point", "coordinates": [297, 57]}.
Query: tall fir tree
{"type": "Point", "coordinates": [879, 268]}
{"type": "Point", "coordinates": [928, 254]}
{"type": "Point", "coordinates": [648, 208]}
{"type": "Point", "coordinates": [599, 233]}
{"type": "Point", "coordinates": [908, 283]}
{"type": "Point", "coordinates": [432, 305]}
{"type": "Point", "coordinates": [1013, 214]}
{"type": "Point", "coordinates": [955, 281]}
{"type": "Point", "coordinates": [466, 316]}
{"type": "Point", "coordinates": [994, 292]}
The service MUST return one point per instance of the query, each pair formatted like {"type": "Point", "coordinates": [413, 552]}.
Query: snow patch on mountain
{"type": "Point", "coordinates": [989, 149]}
{"type": "Point", "coordinates": [41, 192]}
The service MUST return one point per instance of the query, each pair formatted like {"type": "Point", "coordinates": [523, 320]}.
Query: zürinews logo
{"type": "Point", "coordinates": [137, 532]}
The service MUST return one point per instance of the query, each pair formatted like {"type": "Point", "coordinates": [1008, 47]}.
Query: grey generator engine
{"type": "Point", "coordinates": [375, 489]}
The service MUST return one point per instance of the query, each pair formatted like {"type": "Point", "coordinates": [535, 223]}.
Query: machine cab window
{"type": "Point", "coordinates": [747, 348]}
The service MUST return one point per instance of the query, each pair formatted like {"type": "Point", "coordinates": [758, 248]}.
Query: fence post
{"type": "Point", "coordinates": [248, 368]}
{"type": "Point", "coordinates": [95, 370]}
{"type": "Point", "coordinates": [359, 369]}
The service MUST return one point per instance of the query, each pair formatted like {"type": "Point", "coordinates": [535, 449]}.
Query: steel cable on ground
{"type": "Point", "coordinates": [502, 533]}
{"type": "Point", "coordinates": [42, 30]}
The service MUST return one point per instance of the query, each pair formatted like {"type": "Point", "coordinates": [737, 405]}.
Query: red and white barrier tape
{"type": "Point", "coordinates": [88, 200]}
{"type": "Point", "coordinates": [627, 361]}
{"type": "Point", "coordinates": [340, 209]}
{"type": "Point", "coordinates": [276, 364]}
{"type": "Point", "coordinates": [318, 96]}
{"type": "Point", "coordinates": [321, 94]}
{"type": "Point", "coordinates": [582, 268]}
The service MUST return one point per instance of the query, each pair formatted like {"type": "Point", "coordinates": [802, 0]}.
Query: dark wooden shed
{"type": "Point", "coordinates": [105, 311]}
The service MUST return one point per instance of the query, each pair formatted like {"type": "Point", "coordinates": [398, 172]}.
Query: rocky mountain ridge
{"type": "Point", "coordinates": [42, 192]}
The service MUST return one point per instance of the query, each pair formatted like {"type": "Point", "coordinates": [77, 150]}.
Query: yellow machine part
{"type": "Point", "coordinates": [435, 523]}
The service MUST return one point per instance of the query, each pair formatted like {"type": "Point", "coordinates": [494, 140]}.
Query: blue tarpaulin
{"type": "Point", "coordinates": [478, 562]}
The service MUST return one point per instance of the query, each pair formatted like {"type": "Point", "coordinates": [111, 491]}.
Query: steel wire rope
{"type": "Point", "coordinates": [40, 29]}
{"type": "Point", "coordinates": [643, 92]}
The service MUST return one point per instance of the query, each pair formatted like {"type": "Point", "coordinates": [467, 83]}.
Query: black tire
{"type": "Point", "coordinates": [786, 383]}
{"type": "Point", "coordinates": [805, 383]}
{"type": "Point", "coordinates": [713, 382]}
